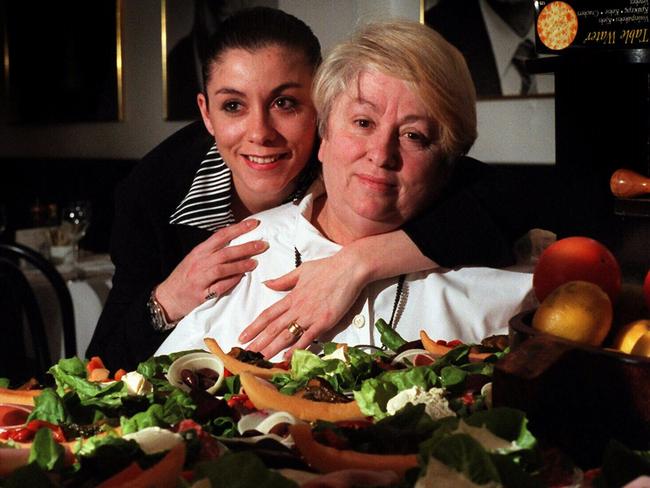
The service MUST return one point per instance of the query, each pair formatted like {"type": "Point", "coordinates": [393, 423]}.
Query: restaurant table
{"type": "Point", "coordinates": [89, 282]}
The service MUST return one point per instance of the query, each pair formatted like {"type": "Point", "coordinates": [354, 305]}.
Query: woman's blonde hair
{"type": "Point", "coordinates": [416, 54]}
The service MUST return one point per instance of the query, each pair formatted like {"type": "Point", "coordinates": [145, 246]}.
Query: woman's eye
{"type": "Point", "coordinates": [231, 106]}
{"type": "Point", "coordinates": [417, 138]}
{"type": "Point", "coordinates": [285, 103]}
{"type": "Point", "coordinates": [363, 123]}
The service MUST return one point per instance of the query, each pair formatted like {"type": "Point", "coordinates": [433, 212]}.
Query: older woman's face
{"type": "Point", "coordinates": [262, 117]}
{"type": "Point", "coordinates": [381, 164]}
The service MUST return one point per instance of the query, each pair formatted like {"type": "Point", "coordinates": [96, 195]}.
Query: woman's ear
{"type": "Point", "coordinates": [205, 112]}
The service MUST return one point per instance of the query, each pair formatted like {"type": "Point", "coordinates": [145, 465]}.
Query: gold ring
{"type": "Point", "coordinates": [295, 329]}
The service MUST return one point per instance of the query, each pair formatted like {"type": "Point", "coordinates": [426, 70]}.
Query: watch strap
{"type": "Point", "coordinates": [159, 321]}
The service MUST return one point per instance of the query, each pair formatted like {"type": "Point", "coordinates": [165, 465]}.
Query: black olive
{"type": "Point", "coordinates": [207, 377]}
{"type": "Point", "coordinates": [189, 378]}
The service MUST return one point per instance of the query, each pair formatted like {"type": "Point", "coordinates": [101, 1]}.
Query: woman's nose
{"type": "Point", "coordinates": [383, 150]}
{"type": "Point", "coordinates": [260, 128]}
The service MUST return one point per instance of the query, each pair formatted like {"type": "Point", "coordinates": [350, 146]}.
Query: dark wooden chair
{"type": "Point", "coordinates": [24, 349]}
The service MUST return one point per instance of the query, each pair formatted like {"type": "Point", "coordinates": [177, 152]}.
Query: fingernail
{"type": "Point", "coordinates": [243, 337]}
{"type": "Point", "coordinates": [251, 223]}
{"type": "Point", "coordinates": [261, 245]}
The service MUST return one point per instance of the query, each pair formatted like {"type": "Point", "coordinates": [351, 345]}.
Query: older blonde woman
{"type": "Point", "coordinates": [397, 109]}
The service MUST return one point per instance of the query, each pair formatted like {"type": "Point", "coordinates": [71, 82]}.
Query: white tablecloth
{"type": "Point", "coordinates": [89, 283]}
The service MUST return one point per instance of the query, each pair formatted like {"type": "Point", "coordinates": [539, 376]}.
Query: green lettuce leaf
{"type": "Point", "coordinates": [178, 406]}
{"type": "Point", "coordinates": [49, 407]}
{"type": "Point", "coordinates": [507, 423]}
{"type": "Point", "coordinates": [462, 454]}
{"type": "Point", "coordinates": [46, 452]}
{"type": "Point", "coordinates": [375, 392]}
{"type": "Point", "coordinates": [70, 374]}
{"type": "Point", "coordinates": [342, 375]}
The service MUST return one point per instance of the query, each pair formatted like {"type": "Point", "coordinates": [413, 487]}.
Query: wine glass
{"type": "Point", "coordinates": [75, 219]}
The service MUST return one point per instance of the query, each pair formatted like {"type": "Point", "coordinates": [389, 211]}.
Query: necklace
{"type": "Point", "coordinates": [398, 292]}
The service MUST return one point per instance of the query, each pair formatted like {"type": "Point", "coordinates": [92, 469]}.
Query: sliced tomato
{"type": "Point", "coordinates": [57, 432]}
{"type": "Point", "coordinates": [94, 363]}
{"type": "Point", "coordinates": [422, 360]}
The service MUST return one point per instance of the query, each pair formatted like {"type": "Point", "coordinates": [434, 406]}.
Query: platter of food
{"type": "Point", "coordinates": [414, 416]}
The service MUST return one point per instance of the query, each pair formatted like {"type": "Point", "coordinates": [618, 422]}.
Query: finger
{"type": "Point", "coordinates": [275, 329]}
{"type": "Point", "coordinates": [224, 286]}
{"type": "Point", "coordinates": [303, 342]}
{"type": "Point", "coordinates": [222, 271]}
{"type": "Point", "coordinates": [264, 319]}
{"type": "Point", "coordinates": [281, 341]}
{"type": "Point", "coordinates": [223, 236]}
{"type": "Point", "coordinates": [240, 251]}
{"type": "Point", "coordinates": [285, 282]}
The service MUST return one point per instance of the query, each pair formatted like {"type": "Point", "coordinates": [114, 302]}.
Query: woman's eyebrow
{"type": "Point", "coordinates": [359, 100]}
{"type": "Point", "coordinates": [228, 91]}
{"type": "Point", "coordinates": [286, 86]}
{"type": "Point", "coordinates": [277, 90]}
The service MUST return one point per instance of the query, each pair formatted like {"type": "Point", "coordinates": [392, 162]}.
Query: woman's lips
{"type": "Point", "coordinates": [264, 162]}
{"type": "Point", "coordinates": [377, 183]}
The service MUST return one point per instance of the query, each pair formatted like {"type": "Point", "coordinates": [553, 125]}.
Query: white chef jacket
{"type": "Point", "coordinates": [468, 303]}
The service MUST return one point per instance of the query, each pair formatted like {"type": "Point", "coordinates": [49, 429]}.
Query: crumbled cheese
{"type": "Point", "coordinates": [154, 439]}
{"type": "Point", "coordinates": [487, 439]}
{"type": "Point", "coordinates": [437, 406]}
{"type": "Point", "coordinates": [439, 475]}
{"type": "Point", "coordinates": [137, 384]}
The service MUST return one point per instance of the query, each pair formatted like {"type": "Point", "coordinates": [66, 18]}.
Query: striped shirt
{"type": "Point", "coordinates": [207, 204]}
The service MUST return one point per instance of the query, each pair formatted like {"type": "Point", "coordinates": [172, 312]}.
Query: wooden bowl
{"type": "Point", "coordinates": [576, 397]}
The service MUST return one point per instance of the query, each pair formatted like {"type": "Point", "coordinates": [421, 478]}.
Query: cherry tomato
{"type": "Point", "coordinates": [576, 258]}
{"type": "Point", "coordinates": [119, 373]}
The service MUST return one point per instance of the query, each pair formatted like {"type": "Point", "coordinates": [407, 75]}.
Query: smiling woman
{"type": "Point", "coordinates": [393, 124]}
{"type": "Point", "coordinates": [263, 119]}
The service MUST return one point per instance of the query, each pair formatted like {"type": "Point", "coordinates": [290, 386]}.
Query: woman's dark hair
{"type": "Point", "coordinates": [259, 27]}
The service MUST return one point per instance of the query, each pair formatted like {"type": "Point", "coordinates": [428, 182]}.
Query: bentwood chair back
{"type": "Point", "coordinates": [20, 307]}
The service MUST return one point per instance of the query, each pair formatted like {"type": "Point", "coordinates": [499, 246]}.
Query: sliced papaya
{"type": "Point", "coordinates": [327, 459]}
{"type": "Point", "coordinates": [18, 397]}
{"type": "Point", "coordinates": [235, 366]}
{"type": "Point", "coordinates": [265, 395]}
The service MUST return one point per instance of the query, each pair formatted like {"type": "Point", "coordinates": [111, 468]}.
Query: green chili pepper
{"type": "Point", "coordinates": [389, 338]}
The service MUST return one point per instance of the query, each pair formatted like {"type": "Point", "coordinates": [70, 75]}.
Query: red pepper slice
{"type": "Point", "coordinates": [94, 363]}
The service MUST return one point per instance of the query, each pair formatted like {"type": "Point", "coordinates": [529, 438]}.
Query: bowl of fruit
{"type": "Point", "coordinates": [579, 364]}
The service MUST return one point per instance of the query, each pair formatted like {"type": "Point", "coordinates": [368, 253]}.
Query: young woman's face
{"type": "Point", "coordinates": [260, 113]}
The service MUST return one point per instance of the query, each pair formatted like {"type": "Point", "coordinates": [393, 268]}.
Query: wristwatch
{"type": "Point", "coordinates": [157, 314]}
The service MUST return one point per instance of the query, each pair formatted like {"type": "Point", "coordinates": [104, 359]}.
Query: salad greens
{"type": "Point", "coordinates": [492, 447]}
